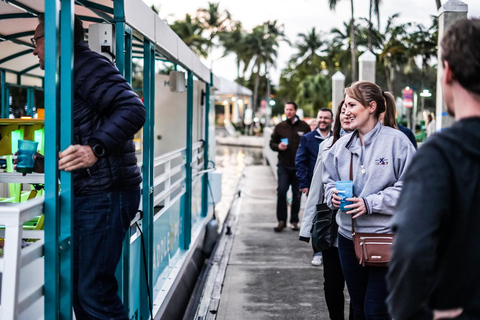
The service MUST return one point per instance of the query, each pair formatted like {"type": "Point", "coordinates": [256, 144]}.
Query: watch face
{"type": "Point", "coordinates": [98, 150]}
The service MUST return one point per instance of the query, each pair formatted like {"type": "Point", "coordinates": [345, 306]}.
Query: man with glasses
{"type": "Point", "coordinates": [107, 114]}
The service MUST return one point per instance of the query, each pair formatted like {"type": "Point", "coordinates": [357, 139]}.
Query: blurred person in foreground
{"type": "Point", "coordinates": [434, 271]}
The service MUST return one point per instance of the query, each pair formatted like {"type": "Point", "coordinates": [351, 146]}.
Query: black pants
{"type": "Point", "coordinates": [334, 285]}
{"type": "Point", "coordinates": [287, 177]}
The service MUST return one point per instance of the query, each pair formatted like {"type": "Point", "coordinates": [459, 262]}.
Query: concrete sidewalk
{"type": "Point", "coordinates": [268, 274]}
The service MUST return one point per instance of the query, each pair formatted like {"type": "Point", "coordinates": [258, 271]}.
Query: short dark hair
{"type": "Point", "coordinates": [79, 32]}
{"type": "Point", "coordinates": [292, 103]}
{"type": "Point", "coordinates": [326, 110]}
{"type": "Point", "coordinates": [460, 47]}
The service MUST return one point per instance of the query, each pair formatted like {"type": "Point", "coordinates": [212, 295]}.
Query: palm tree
{"type": "Point", "coordinates": [314, 93]}
{"type": "Point", "coordinates": [353, 47]}
{"type": "Point", "coordinates": [375, 7]}
{"type": "Point", "coordinates": [232, 41]}
{"type": "Point", "coordinates": [393, 49]}
{"type": "Point", "coordinates": [213, 21]}
{"type": "Point", "coordinates": [339, 51]}
{"type": "Point", "coordinates": [261, 50]}
{"type": "Point", "coordinates": [308, 48]}
{"type": "Point", "coordinates": [190, 31]}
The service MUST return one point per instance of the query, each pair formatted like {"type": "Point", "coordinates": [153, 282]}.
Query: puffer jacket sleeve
{"type": "Point", "coordinates": [100, 83]}
{"type": "Point", "coordinates": [301, 163]}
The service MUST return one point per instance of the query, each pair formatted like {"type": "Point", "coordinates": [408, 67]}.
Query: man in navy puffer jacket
{"type": "Point", "coordinates": [107, 114]}
{"type": "Point", "coordinates": [308, 149]}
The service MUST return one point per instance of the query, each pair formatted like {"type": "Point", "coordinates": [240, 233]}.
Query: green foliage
{"type": "Point", "coordinates": [314, 93]}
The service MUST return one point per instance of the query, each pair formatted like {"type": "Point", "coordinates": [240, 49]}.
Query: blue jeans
{"type": "Point", "coordinates": [367, 286]}
{"type": "Point", "coordinates": [100, 224]}
{"type": "Point", "coordinates": [287, 177]}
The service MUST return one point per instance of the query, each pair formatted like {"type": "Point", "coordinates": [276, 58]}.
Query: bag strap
{"type": "Point", "coordinates": [351, 179]}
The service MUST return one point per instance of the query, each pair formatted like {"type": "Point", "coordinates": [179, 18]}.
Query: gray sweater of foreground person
{"type": "Point", "coordinates": [386, 154]}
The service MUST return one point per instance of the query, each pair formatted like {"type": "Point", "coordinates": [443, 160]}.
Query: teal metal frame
{"type": "Point", "coordinates": [58, 207]}
{"type": "Point", "coordinates": [148, 163]}
{"type": "Point", "coordinates": [206, 146]}
{"type": "Point", "coordinates": [187, 213]}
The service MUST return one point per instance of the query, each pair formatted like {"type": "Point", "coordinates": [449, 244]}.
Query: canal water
{"type": "Point", "coordinates": [230, 161]}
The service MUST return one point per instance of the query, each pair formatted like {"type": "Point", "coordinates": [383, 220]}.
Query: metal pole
{"type": "Point", "coordinates": [205, 152]}
{"type": "Point", "coordinates": [187, 218]}
{"type": "Point", "coordinates": [66, 139]}
{"type": "Point", "coordinates": [147, 192]}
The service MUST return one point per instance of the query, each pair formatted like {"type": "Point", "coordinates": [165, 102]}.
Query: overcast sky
{"type": "Point", "coordinates": [298, 16]}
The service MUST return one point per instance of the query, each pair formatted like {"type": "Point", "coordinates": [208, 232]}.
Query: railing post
{"type": "Point", "coordinates": [147, 195]}
{"type": "Point", "coordinates": [187, 217]}
{"type": "Point", "coordinates": [449, 12]}
{"type": "Point", "coordinates": [338, 88]}
{"type": "Point", "coordinates": [205, 152]}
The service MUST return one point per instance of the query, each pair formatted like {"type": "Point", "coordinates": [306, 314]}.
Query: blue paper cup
{"type": "Point", "coordinates": [25, 153]}
{"type": "Point", "coordinates": [345, 190]}
{"type": "Point", "coordinates": [285, 140]}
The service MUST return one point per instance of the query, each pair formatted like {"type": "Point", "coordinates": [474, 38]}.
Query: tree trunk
{"type": "Point", "coordinates": [370, 27]}
{"type": "Point", "coordinates": [439, 4]}
{"type": "Point", "coordinates": [353, 46]}
{"type": "Point", "coordinates": [389, 76]}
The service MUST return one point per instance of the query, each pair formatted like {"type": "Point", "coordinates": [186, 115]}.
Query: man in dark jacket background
{"type": "Point", "coordinates": [434, 271]}
{"type": "Point", "coordinates": [107, 114]}
{"type": "Point", "coordinates": [285, 140]}
{"type": "Point", "coordinates": [308, 149]}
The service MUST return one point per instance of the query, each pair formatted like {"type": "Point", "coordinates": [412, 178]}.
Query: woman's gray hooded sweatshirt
{"type": "Point", "coordinates": [378, 169]}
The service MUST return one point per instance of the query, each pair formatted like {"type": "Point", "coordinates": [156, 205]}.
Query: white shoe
{"type": "Point", "coordinates": [317, 260]}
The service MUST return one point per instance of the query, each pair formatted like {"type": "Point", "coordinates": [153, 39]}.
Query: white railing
{"type": "Point", "coordinates": [22, 268]}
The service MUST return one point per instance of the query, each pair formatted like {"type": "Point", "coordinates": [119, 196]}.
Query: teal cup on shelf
{"type": "Point", "coordinates": [26, 152]}
{"type": "Point", "coordinates": [345, 190]}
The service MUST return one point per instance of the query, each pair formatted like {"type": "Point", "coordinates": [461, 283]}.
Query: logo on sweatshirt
{"type": "Point", "coordinates": [381, 162]}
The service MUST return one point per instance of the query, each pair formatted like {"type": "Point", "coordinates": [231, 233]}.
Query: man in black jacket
{"type": "Point", "coordinates": [285, 140]}
{"type": "Point", "coordinates": [107, 114]}
{"type": "Point", "coordinates": [434, 271]}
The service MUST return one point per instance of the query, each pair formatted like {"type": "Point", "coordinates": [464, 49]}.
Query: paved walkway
{"type": "Point", "coordinates": [267, 275]}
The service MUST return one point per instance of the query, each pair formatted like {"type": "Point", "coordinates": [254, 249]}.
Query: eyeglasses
{"type": "Point", "coordinates": [35, 39]}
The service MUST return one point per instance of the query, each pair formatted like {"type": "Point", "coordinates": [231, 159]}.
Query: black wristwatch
{"type": "Point", "coordinates": [98, 150]}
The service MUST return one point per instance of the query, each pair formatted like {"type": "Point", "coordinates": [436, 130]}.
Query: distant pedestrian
{"type": "Point", "coordinates": [334, 281]}
{"type": "Point", "coordinates": [431, 126]}
{"type": "Point", "coordinates": [285, 140]}
{"type": "Point", "coordinates": [376, 156]}
{"type": "Point", "coordinates": [307, 157]}
{"type": "Point", "coordinates": [313, 123]}
{"type": "Point", "coordinates": [434, 270]}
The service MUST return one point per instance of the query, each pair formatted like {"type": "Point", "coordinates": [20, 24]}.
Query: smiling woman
{"type": "Point", "coordinates": [374, 157]}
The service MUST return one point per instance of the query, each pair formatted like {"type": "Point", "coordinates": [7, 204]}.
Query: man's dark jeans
{"type": "Point", "coordinates": [334, 285]}
{"type": "Point", "coordinates": [100, 224]}
{"type": "Point", "coordinates": [287, 177]}
{"type": "Point", "coordinates": [367, 286]}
